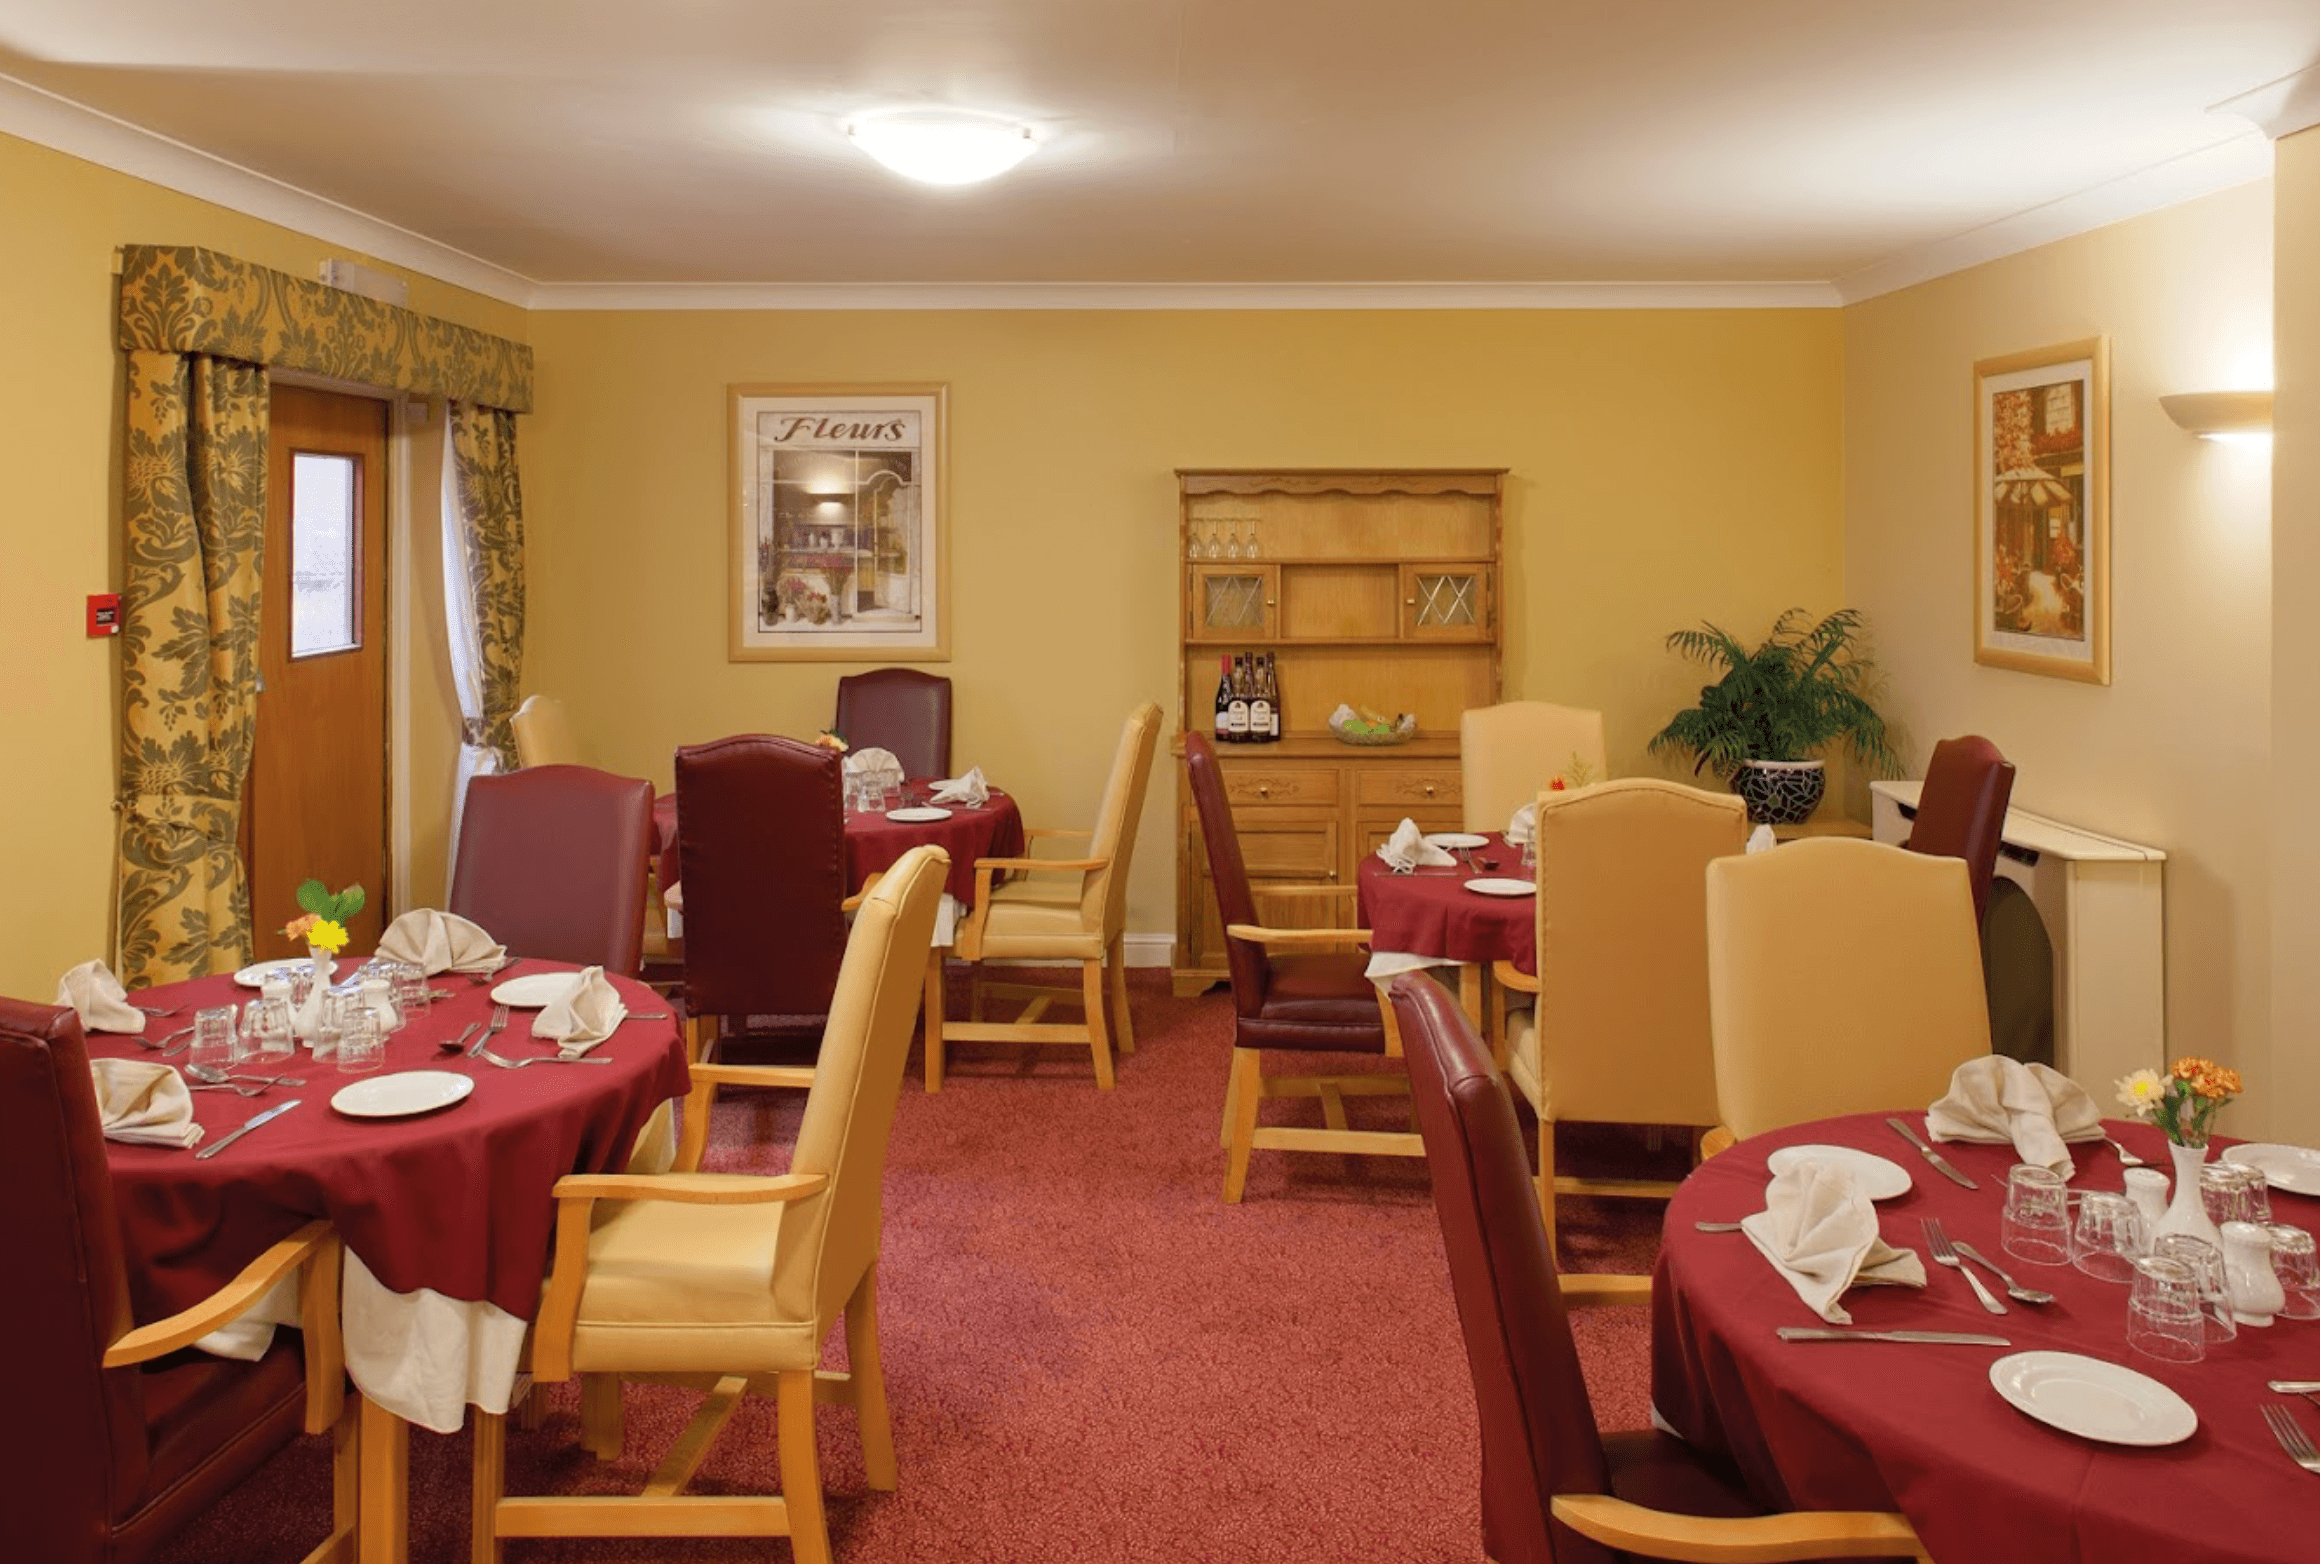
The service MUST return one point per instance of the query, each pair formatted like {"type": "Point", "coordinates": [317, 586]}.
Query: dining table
{"type": "Point", "coordinates": [1923, 1428]}
{"type": "Point", "coordinates": [1430, 916]}
{"type": "Point", "coordinates": [447, 1215]}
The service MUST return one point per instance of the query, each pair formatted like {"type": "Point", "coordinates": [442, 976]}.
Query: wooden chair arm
{"type": "Point", "coordinates": [1585, 1287]}
{"type": "Point", "coordinates": [224, 1306]}
{"type": "Point", "coordinates": [1757, 1539]}
{"type": "Point", "coordinates": [692, 1189]}
{"type": "Point", "coordinates": [1296, 939]}
{"type": "Point", "coordinates": [1508, 976]}
{"type": "Point", "coordinates": [853, 903]}
{"type": "Point", "coordinates": [1717, 1139]}
{"type": "Point", "coordinates": [1040, 865]}
{"type": "Point", "coordinates": [1032, 832]}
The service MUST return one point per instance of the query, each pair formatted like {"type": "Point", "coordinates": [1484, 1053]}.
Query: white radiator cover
{"type": "Point", "coordinates": [2103, 905]}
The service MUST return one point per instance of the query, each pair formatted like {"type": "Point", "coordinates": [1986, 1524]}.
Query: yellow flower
{"type": "Point", "coordinates": [326, 934]}
{"type": "Point", "coordinates": [2142, 1092]}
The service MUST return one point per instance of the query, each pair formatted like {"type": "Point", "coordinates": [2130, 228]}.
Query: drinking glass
{"type": "Point", "coordinates": [2108, 1237]}
{"type": "Point", "coordinates": [360, 1047]}
{"type": "Point", "coordinates": [412, 995]}
{"type": "Point", "coordinates": [2163, 1314]}
{"type": "Point", "coordinates": [1232, 547]}
{"type": "Point", "coordinates": [2205, 1263]}
{"type": "Point", "coordinates": [1253, 551]}
{"type": "Point", "coordinates": [266, 1029]}
{"type": "Point", "coordinates": [2299, 1273]}
{"type": "Point", "coordinates": [2036, 1226]}
{"type": "Point", "coordinates": [2232, 1193]}
{"type": "Point", "coordinates": [215, 1041]}
{"type": "Point", "coordinates": [2259, 1195]}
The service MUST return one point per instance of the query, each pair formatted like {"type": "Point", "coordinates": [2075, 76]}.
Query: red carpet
{"type": "Point", "coordinates": [1088, 1355]}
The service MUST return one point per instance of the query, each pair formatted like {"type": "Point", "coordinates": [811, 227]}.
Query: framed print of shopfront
{"type": "Point", "coordinates": [2042, 535]}
{"type": "Point", "coordinates": [838, 518]}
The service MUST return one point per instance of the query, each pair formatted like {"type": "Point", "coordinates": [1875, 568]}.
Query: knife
{"type": "Point", "coordinates": [2294, 1387]}
{"type": "Point", "coordinates": [1935, 1337]}
{"type": "Point", "coordinates": [1902, 1129]}
{"type": "Point", "coordinates": [233, 1135]}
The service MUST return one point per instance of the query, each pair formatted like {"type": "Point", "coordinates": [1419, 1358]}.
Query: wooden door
{"type": "Point", "coordinates": [317, 799]}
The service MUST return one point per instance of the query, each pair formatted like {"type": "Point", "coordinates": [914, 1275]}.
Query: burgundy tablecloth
{"type": "Point", "coordinates": [458, 1200]}
{"type": "Point", "coordinates": [1429, 912]}
{"type": "Point", "coordinates": [874, 843]}
{"type": "Point", "coordinates": [1919, 1428]}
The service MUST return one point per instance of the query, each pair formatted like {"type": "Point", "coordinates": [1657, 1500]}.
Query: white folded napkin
{"type": "Point", "coordinates": [1408, 849]}
{"type": "Point", "coordinates": [584, 1017]}
{"type": "Point", "coordinates": [143, 1104]}
{"type": "Point", "coordinates": [877, 764]}
{"type": "Point", "coordinates": [1820, 1233]}
{"type": "Point", "coordinates": [440, 942]}
{"type": "Point", "coordinates": [98, 999]}
{"type": "Point", "coordinates": [1524, 826]}
{"type": "Point", "coordinates": [970, 790]}
{"type": "Point", "coordinates": [1997, 1101]}
{"type": "Point", "coordinates": [1761, 840]}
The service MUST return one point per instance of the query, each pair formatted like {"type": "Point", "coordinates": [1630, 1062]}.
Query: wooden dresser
{"type": "Point", "coordinates": [1372, 588]}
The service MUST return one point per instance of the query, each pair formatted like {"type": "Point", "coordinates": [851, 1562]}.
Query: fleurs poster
{"type": "Point", "coordinates": [838, 525]}
{"type": "Point", "coordinates": [2042, 512]}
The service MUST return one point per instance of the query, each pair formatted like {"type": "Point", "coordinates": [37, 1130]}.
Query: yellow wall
{"type": "Point", "coordinates": [2295, 711]}
{"type": "Point", "coordinates": [60, 419]}
{"type": "Point", "coordinates": [1666, 466]}
{"type": "Point", "coordinates": [2176, 752]}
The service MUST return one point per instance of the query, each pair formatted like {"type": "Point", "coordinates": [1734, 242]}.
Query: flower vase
{"type": "Point", "coordinates": [2187, 1212]}
{"type": "Point", "coordinates": [307, 1023]}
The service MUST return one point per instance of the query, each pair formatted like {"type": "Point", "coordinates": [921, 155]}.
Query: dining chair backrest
{"type": "Point", "coordinates": [903, 711]}
{"type": "Point", "coordinates": [1539, 1436]}
{"type": "Point", "coordinates": [1843, 977]}
{"type": "Point", "coordinates": [552, 864]}
{"type": "Point", "coordinates": [1623, 948]}
{"type": "Point", "coordinates": [829, 1239]}
{"type": "Point", "coordinates": [72, 1450]}
{"type": "Point", "coordinates": [1103, 893]}
{"type": "Point", "coordinates": [544, 733]}
{"type": "Point", "coordinates": [1961, 809]}
{"type": "Point", "coordinates": [1251, 972]}
{"type": "Point", "coordinates": [761, 845]}
{"type": "Point", "coordinates": [1508, 752]}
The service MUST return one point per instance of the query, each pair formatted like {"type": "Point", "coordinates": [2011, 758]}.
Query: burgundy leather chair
{"type": "Point", "coordinates": [552, 863]}
{"type": "Point", "coordinates": [1555, 1490]}
{"type": "Point", "coordinates": [1961, 811]}
{"type": "Point", "coordinates": [1293, 989]}
{"type": "Point", "coordinates": [761, 839]}
{"type": "Point", "coordinates": [902, 710]}
{"type": "Point", "coordinates": [116, 1438]}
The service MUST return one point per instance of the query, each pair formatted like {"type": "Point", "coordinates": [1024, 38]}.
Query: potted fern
{"type": "Point", "coordinates": [1761, 726]}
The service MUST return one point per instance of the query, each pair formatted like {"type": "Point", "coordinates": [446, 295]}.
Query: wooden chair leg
{"type": "Point", "coordinates": [490, 1469]}
{"type": "Point", "coordinates": [383, 1502]}
{"type": "Point", "coordinates": [1547, 1178]}
{"type": "Point", "coordinates": [1247, 1089]}
{"type": "Point", "coordinates": [1232, 1098]}
{"type": "Point", "coordinates": [1122, 1022]}
{"type": "Point", "coordinates": [600, 1419]}
{"type": "Point", "coordinates": [345, 1489]}
{"type": "Point", "coordinates": [801, 1468]}
{"type": "Point", "coordinates": [531, 1413]}
{"type": "Point", "coordinates": [1091, 980]}
{"type": "Point", "coordinates": [933, 1011]}
{"type": "Point", "coordinates": [868, 1373]}
{"type": "Point", "coordinates": [975, 994]}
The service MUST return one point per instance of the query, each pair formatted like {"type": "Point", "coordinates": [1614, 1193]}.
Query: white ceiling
{"type": "Point", "coordinates": [1194, 141]}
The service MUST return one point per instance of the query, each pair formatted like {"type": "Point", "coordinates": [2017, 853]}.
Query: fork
{"type": "Point", "coordinates": [488, 1057]}
{"type": "Point", "coordinates": [2292, 1437]}
{"type": "Point", "coordinates": [499, 1021]}
{"type": "Point", "coordinates": [1937, 1241]}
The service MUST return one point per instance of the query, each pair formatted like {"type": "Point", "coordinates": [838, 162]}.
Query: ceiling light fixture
{"type": "Point", "coordinates": [942, 146]}
{"type": "Point", "coordinates": [2222, 415]}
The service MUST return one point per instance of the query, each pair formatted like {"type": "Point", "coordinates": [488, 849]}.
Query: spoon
{"type": "Point", "coordinates": [452, 1045]}
{"type": "Point", "coordinates": [2014, 1289]}
{"type": "Point", "coordinates": [2126, 1157]}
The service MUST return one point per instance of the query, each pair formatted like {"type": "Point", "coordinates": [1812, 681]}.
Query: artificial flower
{"type": "Point", "coordinates": [829, 739]}
{"type": "Point", "coordinates": [296, 928]}
{"type": "Point", "coordinates": [2183, 1102]}
{"type": "Point", "coordinates": [2140, 1092]}
{"type": "Point", "coordinates": [326, 934]}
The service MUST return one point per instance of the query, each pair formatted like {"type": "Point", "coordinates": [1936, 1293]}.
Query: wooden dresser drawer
{"type": "Point", "coordinates": [1286, 844]}
{"type": "Point", "coordinates": [1280, 785]}
{"type": "Point", "coordinates": [1409, 789]}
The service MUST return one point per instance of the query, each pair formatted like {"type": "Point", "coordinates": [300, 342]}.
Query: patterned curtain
{"type": "Point", "coordinates": [483, 570]}
{"type": "Point", "coordinates": [193, 511]}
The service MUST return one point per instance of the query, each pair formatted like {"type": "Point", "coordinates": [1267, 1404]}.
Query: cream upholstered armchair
{"type": "Point", "coordinates": [732, 1282]}
{"type": "Point", "coordinates": [1044, 916]}
{"type": "Point", "coordinates": [1617, 1028]}
{"type": "Point", "coordinates": [1507, 752]}
{"type": "Point", "coordinates": [1843, 977]}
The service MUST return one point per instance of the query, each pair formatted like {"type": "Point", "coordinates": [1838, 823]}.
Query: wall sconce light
{"type": "Point", "coordinates": [2238, 416]}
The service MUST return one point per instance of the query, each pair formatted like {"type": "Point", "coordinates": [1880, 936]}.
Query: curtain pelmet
{"type": "Point", "coordinates": [193, 510]}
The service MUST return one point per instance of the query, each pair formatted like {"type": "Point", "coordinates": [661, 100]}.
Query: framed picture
{"type": "Point", "coordinates": [839, 542]}
{"type": "Point", "coordinates": [2042, 512]}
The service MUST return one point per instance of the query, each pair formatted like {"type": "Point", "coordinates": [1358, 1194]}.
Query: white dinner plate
{"type": "Point", "coordinates": [535, 990]}
{"type": "Point", "coordinates": [2094, 1399]}
{"type": "Point", "coordinates": [1879, 1178]}
{"type": "Point", "coordinates": [255, 975]}
{"type": "Point", "coordinates": [402, 1094]}
{"type": "Point", "coordinates": [2295, 1169]}
{"type": "Point", "coordinates": [1488, 887]}
{"type": "Point", "coordinates": [917, 813]}
{"type": "Point", "coordinates": [1457, 839]}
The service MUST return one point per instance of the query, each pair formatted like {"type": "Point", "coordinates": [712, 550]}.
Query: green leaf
{"type": "Point", "coordinates": [347, 903]}
{"type": "Point", "coordinates": [314, 897]}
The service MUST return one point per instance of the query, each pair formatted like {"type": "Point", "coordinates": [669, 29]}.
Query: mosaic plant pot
{"type": "Point", "coordinates": [1780, 792]}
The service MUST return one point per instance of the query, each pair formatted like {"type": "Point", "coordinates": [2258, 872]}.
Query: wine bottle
{"type": "Point", "coordinates": [1223, 700]}
{"type": "Point", "coordinates": [1273, 689]}
{"type": "Point", "coordinates": [1237, 714]}
{"type": "Point", "coordinates": [1260, 698]}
